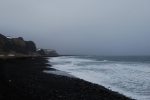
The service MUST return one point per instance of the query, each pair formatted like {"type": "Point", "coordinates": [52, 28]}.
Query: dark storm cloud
{"type": "Point", "coordinates": [97, 27]}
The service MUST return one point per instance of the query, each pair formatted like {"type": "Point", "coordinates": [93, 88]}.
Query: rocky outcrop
{"type": "Point", "coordinates": [41, 52]}
{"type": "Point", "coordinates": [48, 52]}
{"type": "Point", "coordinates": [18, 45]}
{"type": "Point", "coordinates": [4, 43]}
{"type": "Point", "coordinates": [53, 53]}
{"type": "Point", "coordinates": [30, 46]}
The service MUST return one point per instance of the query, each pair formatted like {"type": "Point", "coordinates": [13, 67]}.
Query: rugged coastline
{"type": "Point", "coordinates": [23, 78]}
{"type": "Point", "coordinates": [19, 47]}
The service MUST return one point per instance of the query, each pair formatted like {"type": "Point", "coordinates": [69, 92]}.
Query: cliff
{"type": "Point", "coordinates": [19, 46]}
{"type": "Point", "coordinates": [30, 46]}
{"type": "Point", "coordinates": [47, 52]}
{"type": "Point", "coordinates": [4, 43]}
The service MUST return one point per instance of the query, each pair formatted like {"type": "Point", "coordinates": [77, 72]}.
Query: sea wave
{"type": "Point", "coordinates": [131, 79]}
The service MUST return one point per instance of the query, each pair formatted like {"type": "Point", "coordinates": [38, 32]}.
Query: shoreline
{"type": "Point", "coordinates": [58, 72]}
{"type": "Point", "coordinates": [23, 78]}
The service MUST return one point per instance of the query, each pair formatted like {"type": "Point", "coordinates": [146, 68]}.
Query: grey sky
{"type": "Point", "coordinates": [93, 27]}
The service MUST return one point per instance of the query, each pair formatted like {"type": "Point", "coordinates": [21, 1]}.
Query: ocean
{"type": "Point", "coordinates": [128, 75]}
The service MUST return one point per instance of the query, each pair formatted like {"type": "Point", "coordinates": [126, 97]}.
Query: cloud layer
{"type": "Point", "coordinates": [92, 27]}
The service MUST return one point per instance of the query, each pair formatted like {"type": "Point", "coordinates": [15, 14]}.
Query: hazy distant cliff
{"type": "Point", "coordinates": [18, 45]}
{"type": "Point", "coordinates": [47, 52]}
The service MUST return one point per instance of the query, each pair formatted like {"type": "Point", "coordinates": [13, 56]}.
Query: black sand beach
{"type": "Point", "coordinates": [23, 79]}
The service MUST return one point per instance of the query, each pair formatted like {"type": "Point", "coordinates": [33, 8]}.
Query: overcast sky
{"type": "Point", "coordinates": [91, 27]}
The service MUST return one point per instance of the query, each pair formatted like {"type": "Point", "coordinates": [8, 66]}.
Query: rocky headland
{"type": "Point", "coordinates": [19, 47]}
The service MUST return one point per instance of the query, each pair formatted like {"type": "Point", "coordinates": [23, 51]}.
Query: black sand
{"type": "Point", "coordinates": [23, 79]}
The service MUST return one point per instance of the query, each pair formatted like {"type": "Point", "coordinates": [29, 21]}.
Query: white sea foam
{"type": "Point", "coordinates": [130, 79]}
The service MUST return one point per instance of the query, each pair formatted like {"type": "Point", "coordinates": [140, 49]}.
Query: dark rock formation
{"type": "Point", "coordinates": [50, 52]}
{"type": "Point", "coordinates": [30, 46]}
{"type": "Point", "coordinates": [4, 43]}
{"type": "Point", "coordinates": [18, 45]}
{"type": "Point", "coordinates": [53, 53]}
{"type": "Point", "coordinates": [41, 52]}
{"type": "Point", "coordinates": [47, 52]}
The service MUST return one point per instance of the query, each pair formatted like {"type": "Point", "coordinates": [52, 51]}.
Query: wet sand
{"type": "Point", "coordinates": [24, 79]}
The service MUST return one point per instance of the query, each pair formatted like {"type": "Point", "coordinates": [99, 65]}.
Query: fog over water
{"type": "Point", "coordinates": [90, 27]}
